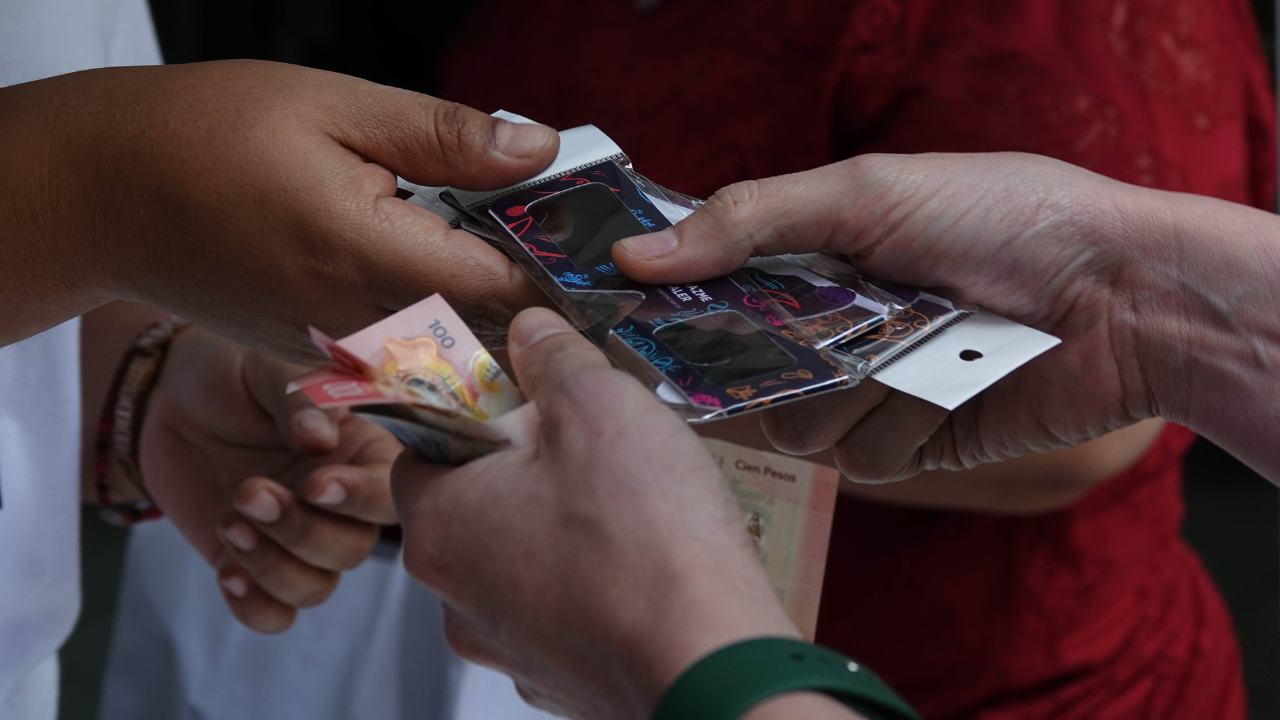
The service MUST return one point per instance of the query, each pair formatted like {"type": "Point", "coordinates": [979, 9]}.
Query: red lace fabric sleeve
{"type": "Point", "coordinates": [1161, 93]}
{"type": "Point", "coordinates": [1099, 611]}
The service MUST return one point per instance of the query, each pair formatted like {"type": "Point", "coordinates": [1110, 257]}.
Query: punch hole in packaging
{"type": "Point", "coordinates": [777, 330]}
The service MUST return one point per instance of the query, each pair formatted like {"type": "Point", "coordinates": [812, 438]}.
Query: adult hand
{"type": "Point", "coordinates": [278, 496]}
{"type": "Point", "coordinates": [1133, 281]}
{"type": "Point", "coordinates": [255, 198]}
{"type": "Point", "coordinates": [597, 564]}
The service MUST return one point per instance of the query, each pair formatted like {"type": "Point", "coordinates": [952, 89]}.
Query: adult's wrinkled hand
{"type": "Point", "coordinates": [595, 565]}
{"type": "Point", "coordinates": [1119, 273]}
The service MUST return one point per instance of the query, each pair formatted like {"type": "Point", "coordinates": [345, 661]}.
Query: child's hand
{"type": "Point", "coordinates": [278, 496]}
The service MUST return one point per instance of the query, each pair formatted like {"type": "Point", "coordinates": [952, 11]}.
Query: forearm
{"type": "Point", "coordinates": [1203, 297]}
{"type": "Point", "coordinates": [45, 279]}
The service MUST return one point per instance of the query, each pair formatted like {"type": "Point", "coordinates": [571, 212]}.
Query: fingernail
{"type": "Point", "coordinates": [533, 325]}
{"type": "Point", "coordinates": [653, 245]}
{"type": "Point", "coordinates": [235, 585]}
{"type": "Point", "coordinates": [333, 494]}
{"type": "Point", "coordinates": [313, 422]}
{"type": "Point", "coordinates": [262, 507]}
{"type": "Point", "coordinates": [241, 536]}
{"type": "Point", "coordinates": [520, 140]}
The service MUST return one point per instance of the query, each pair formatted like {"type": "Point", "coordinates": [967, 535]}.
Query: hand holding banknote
{"type": "Point", "coordinates": [596, 563]}
{"type": "Point", "coordinates": [278, 496]}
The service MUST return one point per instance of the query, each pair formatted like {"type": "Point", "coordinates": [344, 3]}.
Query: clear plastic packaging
{"type": "Point", "coordinates": [916, 316]}
{"type": "Point", "coordinates": [774, 331]}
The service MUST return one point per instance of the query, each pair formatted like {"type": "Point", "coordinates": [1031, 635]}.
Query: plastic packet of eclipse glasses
{"type": "Point", "coordinates": [774, 331]}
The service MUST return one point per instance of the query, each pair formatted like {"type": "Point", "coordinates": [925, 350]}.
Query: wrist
{"type": "Point", "coordinates": [809, 705]}
{"type": "Point", "coordinates": [120, 429]}
{"type": "Point", "coordinates": [1207, 317]}
{"type": "Point", "coordinates": [706, 612]}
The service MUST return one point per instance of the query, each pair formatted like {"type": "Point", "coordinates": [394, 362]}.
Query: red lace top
{"type": "Point", "coordinates": [1099, 611]}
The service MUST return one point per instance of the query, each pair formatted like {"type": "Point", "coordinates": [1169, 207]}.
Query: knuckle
{"type": "Point", "coordinates": [738, 220]}
{"type": "Point", "coordinates": [859, 464]}
{"type": "Point", "coordinates": [318, 591]}
{"type": "Point", "coordinates": [735, 200]}
{"type": "Point", "coordinates": [295, 531]}
{"type": "Point", "coordinates": [781, 427]}
{"type": "Point", "coordinates": [586, 384]}
{"type": "Point", "coordinates": [370, 180]}
{"type": "Point", "coordinates": [263, 617]}
{"type": "Point", "coordinates": [534, 698]}
{"type": "Point", "coordinates": [462, 641]}
{"type": "Point", "coordinates": [913, 466]}
{"type": "Point", "coordinates": [853, 463]}
{"type": "Point", "coordinates": [358, 551]}
{"type": "Point", "coordinates": [872, 166]}
{"type": "Point", "coordinates": [423, 564]}
{"type": "Point", "coordinates": [456, 131]}
{"type": "Point", "coordinates": [565, 355]}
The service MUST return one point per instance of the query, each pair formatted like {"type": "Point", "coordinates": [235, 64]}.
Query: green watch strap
{"type": "Point", "coordinates": [730, 681]}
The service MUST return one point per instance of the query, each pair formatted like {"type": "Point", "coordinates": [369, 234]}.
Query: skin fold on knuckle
{"type": "Point", "coordinates": [261, 614]}
{"type": "Point", "coordinates": [582, 383]}
{"type": "Point", "coordinates": [863, 464]}
{"type": "Point", "coordinates": [599, 407]}
{"type": "Point", "coordinates": [550, 367]}
{"type": "Point", "coordinates": [422, 562]}
{"type": "Point", "coordinates": [296, 530]}
{"type": "Point", "coordinates": [463, 641]}
{"type": "Point", "coordinates": [729, 217]}
{"type": "Point", "coordinates": [873, 195]}
{"type": "Point", "coordinates": [501, 291]}
{"type": "Point", "coordinates": [791, 431]}
{"type": "Point", "coordinates": [459, 132]}
{"type": "Point", "coordinates": [273, 624]}
{"type": "Point", "coordinates": [318, 592]}
{"type": "Point", "coordinates": [353, 554]}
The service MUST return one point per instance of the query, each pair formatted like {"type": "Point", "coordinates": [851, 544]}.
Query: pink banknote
{"type": "Point", "coordinates": [424, 376]}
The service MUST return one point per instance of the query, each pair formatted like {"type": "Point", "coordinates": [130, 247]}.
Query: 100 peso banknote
{"type": "Point", "coordinates": [788, 504]}
{"type": "Point", "coordinates": [424, 376]}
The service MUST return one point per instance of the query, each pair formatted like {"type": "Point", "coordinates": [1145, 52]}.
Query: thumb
{"type": "Point", "coordinates": [838, 207]}
{"type": "Point", "coordinates": [756, 217]}
{"type": "Point", "coordinates": [547, 353]}
{"type": "Point", "coordinates": [302, 426]}
{"type": "Point", "coordinates": [434, 142]}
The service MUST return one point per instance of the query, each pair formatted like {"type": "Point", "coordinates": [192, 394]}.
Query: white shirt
{"type": "Point", "coordinates": [40, 383]}
{"type": "Point", "coordinates": [374, 649]}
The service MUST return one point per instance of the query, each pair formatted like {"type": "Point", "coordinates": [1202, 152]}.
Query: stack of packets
{"type": "Point", "coordinates": [424, 376]}
{"type": "Point", "coordinates": [777, 330]}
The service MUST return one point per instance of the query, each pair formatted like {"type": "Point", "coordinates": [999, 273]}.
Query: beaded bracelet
{"type": "Point", "coordinates": [119, 427]}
